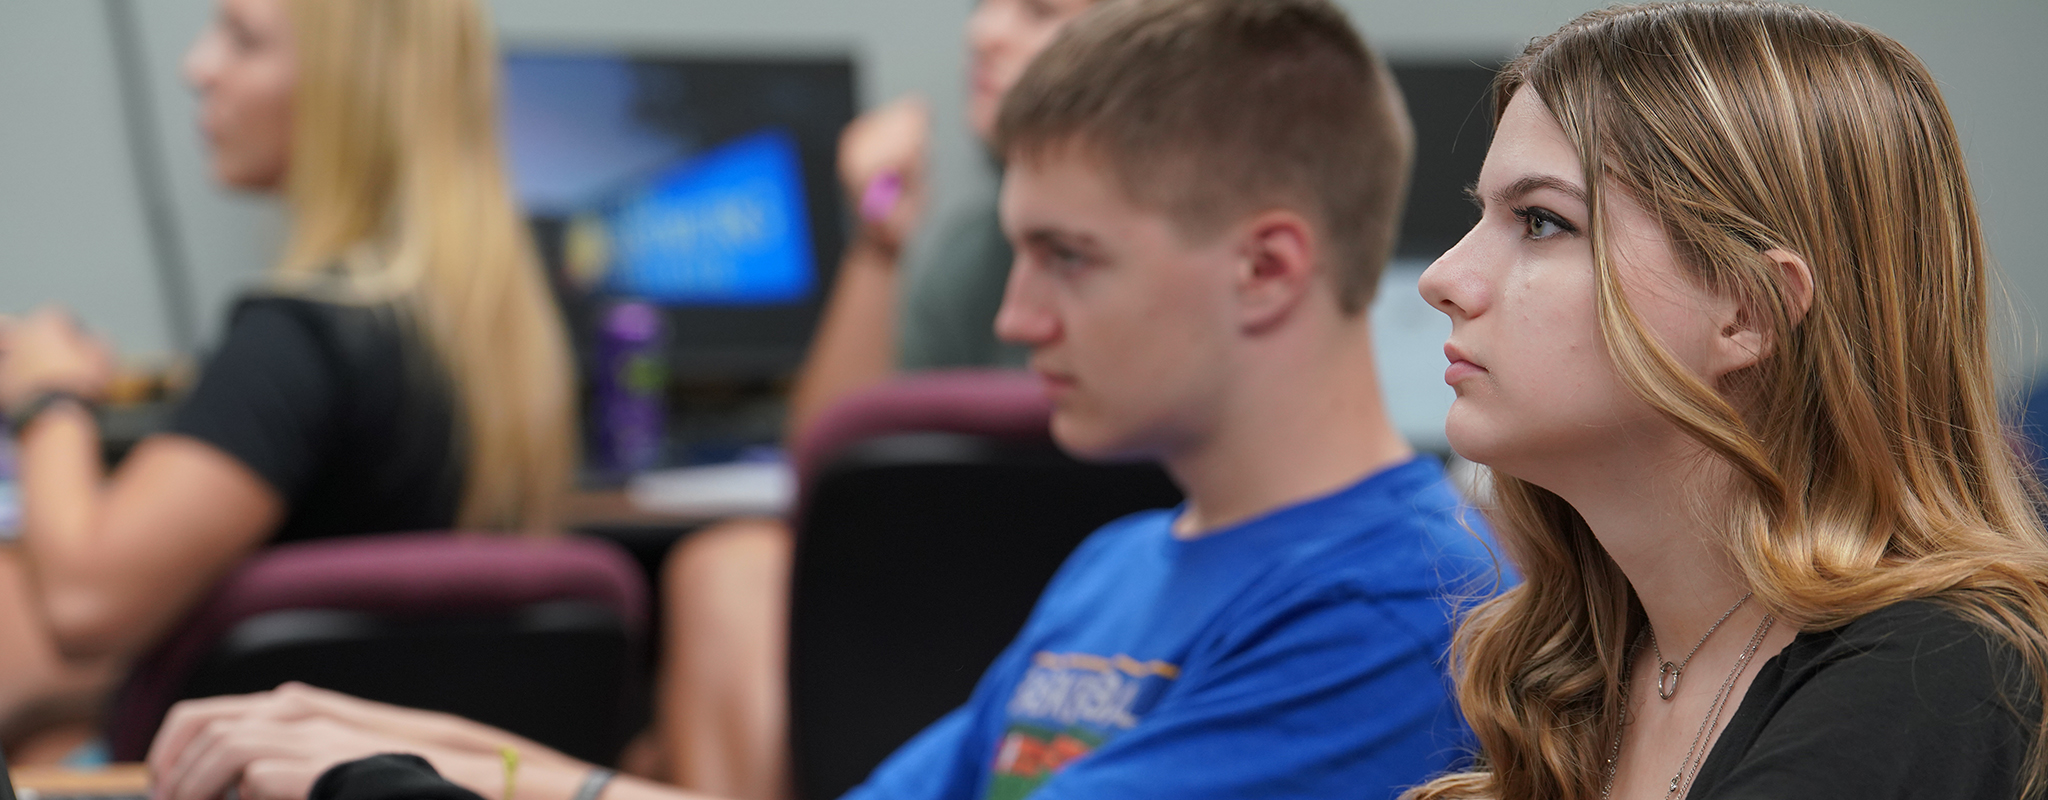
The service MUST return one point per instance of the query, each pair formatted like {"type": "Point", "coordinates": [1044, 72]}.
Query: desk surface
{"type": "Point", "coordinates": [115, 779]}
{"type": "Point", "coordinates": [614, 508]}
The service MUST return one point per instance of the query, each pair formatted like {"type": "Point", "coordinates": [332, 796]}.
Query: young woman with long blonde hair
{"type": "Point", "coordinates": [1721, 336]}
{"type": "Point", "coordinates": [403, 369]}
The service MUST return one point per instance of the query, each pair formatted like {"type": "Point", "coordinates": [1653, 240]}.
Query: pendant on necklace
{"type": "Point", "coordinates": [1667, 680]}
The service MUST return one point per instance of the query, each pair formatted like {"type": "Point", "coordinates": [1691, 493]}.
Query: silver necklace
{"type": "Point", "coordinates": [1667, 672]}
{"type": "Point", "coordinates": [1697, 753]}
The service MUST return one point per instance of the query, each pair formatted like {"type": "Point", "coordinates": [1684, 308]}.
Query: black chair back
{"type": "Point", "coordinates": [919, 557]}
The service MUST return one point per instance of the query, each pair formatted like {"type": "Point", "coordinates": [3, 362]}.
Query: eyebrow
{"type": "Point", "coordinates": [1058, 237]}
{"type": "Point", "coordinates": [1525, 185]}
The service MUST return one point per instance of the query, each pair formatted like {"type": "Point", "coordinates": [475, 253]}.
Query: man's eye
{"type": "Point", "coordinates": [1039, 10]}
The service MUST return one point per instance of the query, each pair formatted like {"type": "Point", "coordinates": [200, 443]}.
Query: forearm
{"type": "Point", "coordinates": [61, 476]}
{"type": "Point", "coordinates": [118, 559]}
{"type": "Point", "coordinates": [855, 345]}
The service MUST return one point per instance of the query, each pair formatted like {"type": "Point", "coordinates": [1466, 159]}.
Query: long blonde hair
{"type": "Point", "coordinates": [1871, 463]}
{"type": "Point", "coordinates": [397, 186]}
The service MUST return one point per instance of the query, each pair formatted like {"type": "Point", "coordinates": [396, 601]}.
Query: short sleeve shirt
{"type": "Point", "coordinates": [1297, 655]}
{"type": "Point", "coordinates": [339, 408]}
{"type": "Point", "coordinates": [1910, 701]}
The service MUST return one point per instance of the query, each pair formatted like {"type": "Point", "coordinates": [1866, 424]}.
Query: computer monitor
{"type": "Point", "coordinates": [1448, 103]}
{"type": "Point", "coordinates": [704, 184]}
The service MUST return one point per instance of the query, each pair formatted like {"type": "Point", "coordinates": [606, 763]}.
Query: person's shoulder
{"type": "Point", "coordinates": [1924, 627]}
{"type": "Point", "coordinates": [276, 312]}
{"type": "Point", "coordinates": [1121, 539]}
{"type": "Point", "coordinates": [347, 333]}
{"type": "Point", "coordinates": [1407, 528]}
{"type": "Point", "coordinates": [1932, 647]}
{"type": "Point", "coordinates": [265, 308]}
{"type": "Point", "coordinates": [1395, 552]}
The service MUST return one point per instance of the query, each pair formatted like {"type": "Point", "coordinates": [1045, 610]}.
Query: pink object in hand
{"type": "Point", "coordinates": [879, 200]}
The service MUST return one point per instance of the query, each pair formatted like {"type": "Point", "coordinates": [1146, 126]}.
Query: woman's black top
{"type": "Point", "coordinates": [340, 408]}
{"type": "Point", "coordinates": [1910, 701]}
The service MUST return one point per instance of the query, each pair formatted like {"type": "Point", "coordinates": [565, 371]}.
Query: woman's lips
{"type": "Point", "coordinates": [1461, 367]}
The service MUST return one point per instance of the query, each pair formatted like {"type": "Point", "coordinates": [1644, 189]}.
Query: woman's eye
{"type": "Point", "coordinates": [1539, 224]}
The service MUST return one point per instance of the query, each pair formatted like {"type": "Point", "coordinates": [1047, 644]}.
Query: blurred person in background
{"type": "Point", "coordinates": [403, 367]}
{"type": "Point", "coordinates": [722, 705]}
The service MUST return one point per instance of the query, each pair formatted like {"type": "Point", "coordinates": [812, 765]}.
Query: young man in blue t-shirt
{"type": "Point", "coordinates": [1202, 194]}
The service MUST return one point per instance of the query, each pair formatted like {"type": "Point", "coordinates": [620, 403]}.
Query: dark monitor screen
{"type": "Point", "coordinates": [705, 185]}
{"type": "Point", "coordinates": [1447, 101]}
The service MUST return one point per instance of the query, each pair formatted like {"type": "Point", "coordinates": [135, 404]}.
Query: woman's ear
{"type": "Point", "coordinates": [1744, 341]}
{"type": "Point", "coordinates": [1797, 278]}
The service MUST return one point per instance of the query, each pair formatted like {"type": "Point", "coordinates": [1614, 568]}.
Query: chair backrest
{"type": "Point", "coordinates": [538, 636]}
{"type": "Point", "coordinates": [932, 513]}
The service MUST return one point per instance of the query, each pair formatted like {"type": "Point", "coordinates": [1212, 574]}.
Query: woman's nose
{"type": "Point", "coordinates": [1450, 285]}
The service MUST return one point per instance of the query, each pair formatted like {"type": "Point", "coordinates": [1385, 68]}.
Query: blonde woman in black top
{"type": "Point", "coordinates": [403, 368]}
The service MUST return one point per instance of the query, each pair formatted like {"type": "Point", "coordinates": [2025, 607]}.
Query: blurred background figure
{"type": "Point", "coordinates": [949, 295]}
{"type": "Point", "coordinates": [403, 367]}
{"type": "Point", "coordinates": [723, 706]}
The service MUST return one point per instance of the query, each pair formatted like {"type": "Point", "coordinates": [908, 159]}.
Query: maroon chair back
{"type": "Point", "coordinates": [539, 635]}
{"type": "Point", "coordinates": [1008, 405]}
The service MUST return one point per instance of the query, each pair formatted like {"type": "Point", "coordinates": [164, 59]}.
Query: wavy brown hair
{"type": "Point", "coordinates": [1871, 463]}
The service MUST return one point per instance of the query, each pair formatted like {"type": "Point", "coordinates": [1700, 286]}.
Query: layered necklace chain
{"type": "Point", "coordinates": [1669, 673]}
{"type": "Point", "coordinates": [1695, 755]}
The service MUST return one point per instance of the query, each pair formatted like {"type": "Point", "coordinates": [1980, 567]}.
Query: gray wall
{"type": "Point", "coordinates": [73, 229]}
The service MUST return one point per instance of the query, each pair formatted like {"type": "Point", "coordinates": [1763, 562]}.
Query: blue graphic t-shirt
{"type": "Point", "coordinates": [1299, 654]}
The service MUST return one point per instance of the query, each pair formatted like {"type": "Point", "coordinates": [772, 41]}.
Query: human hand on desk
{"type": "Point", "coordinates": [273, 745]}
{"type": "Point", "coordinates": [47, 351]}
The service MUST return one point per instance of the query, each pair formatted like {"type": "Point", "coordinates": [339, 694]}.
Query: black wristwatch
{"type": "Point", "coordinates": [19, 419]}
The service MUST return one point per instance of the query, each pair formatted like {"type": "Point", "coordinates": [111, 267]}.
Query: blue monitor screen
{"type": "Point", "coordinates": [727, 226]}
{"type": "Point", "coordinates": [656, 203]}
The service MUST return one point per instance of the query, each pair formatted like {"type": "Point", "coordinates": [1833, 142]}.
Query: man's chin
{"type": "Point", "coordinates": [1088, 442]}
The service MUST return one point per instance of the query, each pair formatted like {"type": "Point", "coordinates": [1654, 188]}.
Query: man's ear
{"type": "Point", "coordinates": [1277, 268]}
{"type": "Point", "coordinates": [1744, 341]}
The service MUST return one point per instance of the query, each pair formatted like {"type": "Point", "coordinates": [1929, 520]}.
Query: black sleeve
{"type": "Point", "coordinates": [386, 777]}
{"type": "Point", "coordinates": [268, 398]}
{"type": "Point", "coordinates": [1911, 702]}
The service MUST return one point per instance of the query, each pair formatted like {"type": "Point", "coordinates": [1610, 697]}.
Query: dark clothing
{"type": "Point", "coordinates": [340, 408]}
{"type": "Point", "coordinates": [386, 777]}
{"type": "Point", "coordinates": [1911, 701]}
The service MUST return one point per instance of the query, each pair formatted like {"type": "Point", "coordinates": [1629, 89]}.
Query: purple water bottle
{"type": "Point", "coordinates": [632, 376]}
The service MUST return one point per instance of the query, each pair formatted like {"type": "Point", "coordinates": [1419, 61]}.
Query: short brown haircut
{"type": "Point", "coordinates": [1210, 110]}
